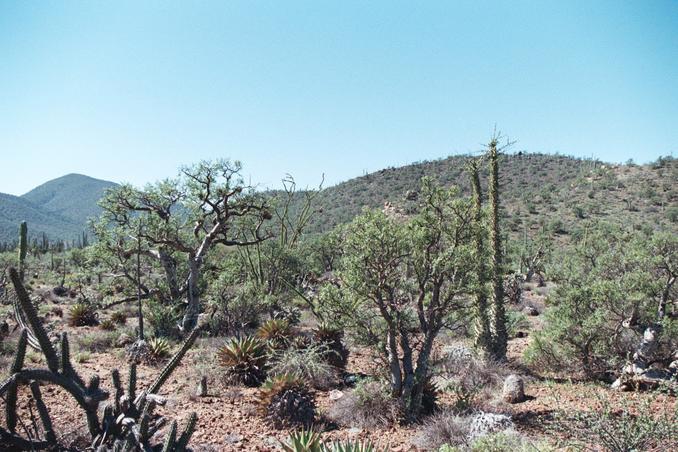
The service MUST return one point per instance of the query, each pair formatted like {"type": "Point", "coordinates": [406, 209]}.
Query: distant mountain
{"type": "Point", "coordinates": [59, 208]}
{"type": "Point", "coordinates": [73, 196]}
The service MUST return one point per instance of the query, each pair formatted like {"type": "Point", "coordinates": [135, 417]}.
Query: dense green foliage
{"type": "Point", "coordinates": [610, 284]}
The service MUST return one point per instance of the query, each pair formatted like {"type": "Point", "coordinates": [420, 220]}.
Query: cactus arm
{"type": "Point", "coordinates": [32, 317]}
{"type": "Point", "coordinates": [171, 438]}
{"type": "Point", "coordinates": [185, 437]}
{"type": "Point", "coordinates": [132, 382]}
{"type": "Point", "coordinates": [174, 362]}
{"type": "Point", "coordinates": [44, 414]}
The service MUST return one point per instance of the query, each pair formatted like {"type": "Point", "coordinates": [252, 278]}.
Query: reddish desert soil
{"type": "Point", "coordinates": [227, 418]}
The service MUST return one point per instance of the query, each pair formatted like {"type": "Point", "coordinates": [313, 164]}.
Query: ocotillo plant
{"type": "Point", "coordinates": [498, 313]}
{"type": "Point", "coordinates": [128, 423]}
{"type": "Point", "coordinates": [23, 247]}
{"type": "Point", "coordinates": [482, 332]}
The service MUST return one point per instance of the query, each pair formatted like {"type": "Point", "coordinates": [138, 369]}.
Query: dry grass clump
{"type": "Point", "coordinates": [307, 363]}
{"type": "Point", "coordinates": [444, 428]}
{"type": "Point", "coordinates": [369, 405]}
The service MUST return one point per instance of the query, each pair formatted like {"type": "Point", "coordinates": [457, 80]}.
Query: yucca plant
{"type": "Point", "coordinates": [83, 314]}
{"type": "Point", "coordinates": [158, 348]}
{"type": "Point", "coordinates": [276, 332]}
{"type": "Point", "coordinates": [331, 338]}
{"type": "Point", "coordinates": [107, 325]}
{"type": "Point", "coordinates": [119, 317]}
{"type": "Point", "coordinates": [303, 441]}
{"type": "Point", "coordinates": [244, 360]}
{"type": "Point", "coordinates": [285, 401]}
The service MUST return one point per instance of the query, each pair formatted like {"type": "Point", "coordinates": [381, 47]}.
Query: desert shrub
{"type": "Point", "coordinates": [443, 429]}
{"type": "Point", "coordinates": [83, 314]}
{"type": "Point", "coordinates": [285, 401]}
{"type": "Point", "coordinates": [163, 319]}
{"type": "Point", "coordinates": [244, 360]}
{"type": "Point", "coordinates": [119, 317]}
{"type": "Point", "coordinates": [232, 311]}
{"type": "Point", "coordinates": [369, 405]}
{"type": "Point", "coordinates": [107, 325]}
{"type": "Point", "coordinates": [276, 333]}
{"type": "Point", "coordinates": [621, 429]}
{"type": "Point", "coordinates": [468, 377]}
{"type": "Point", "coordinates": [507, 442]}
{"type": "Point", "coordinates": [330, 338]}
{"type": "Point", "coordinates": [609, 285]}
{"type": "Point", "coordinates": [308, 363]}
{"type": "Point", "coordinates": [515, 321]}
{"type": "Point", "coordinates": [97, 341]}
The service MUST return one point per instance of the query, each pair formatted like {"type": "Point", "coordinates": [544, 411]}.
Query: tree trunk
{"type": "Point", "coordinates": [394, 363]}
{"type": "Point", "coordinates": [193, 294]}
{"type": "Point", "coordinates": [169, 265]}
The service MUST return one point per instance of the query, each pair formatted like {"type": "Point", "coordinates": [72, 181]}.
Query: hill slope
{"type": "Point", "coordinates": [538, 191]}
{"type": "Point", "coordinates": [14, 209]}
{"type": "Point", "coordinates": [59, 208]}
{"type": "Point", "coordinates": [73, 196]}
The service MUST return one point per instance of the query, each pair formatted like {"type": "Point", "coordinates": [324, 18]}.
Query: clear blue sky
{"type": "Point", "coordinates": [129, 91]}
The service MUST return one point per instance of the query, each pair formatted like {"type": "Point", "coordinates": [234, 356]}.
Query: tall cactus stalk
{"type": "Point", "coordinates": [23, 247]}
{"type": "Point", "coordinates": [129, 422]}
{"type": "Point", "coordinates": [498, 312]}
{"type": "Point", "coordinates": [481, 328]}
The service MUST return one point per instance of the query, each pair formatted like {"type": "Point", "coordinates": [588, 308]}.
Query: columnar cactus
{"type": "Point", "coordinates": [482, 333]}
{"type": "Point", "coordinates": [128, 423]}
{"type": "Point", "coordinates": [23, 247]}
{"type": "Point", "coordinates": [498, 313]}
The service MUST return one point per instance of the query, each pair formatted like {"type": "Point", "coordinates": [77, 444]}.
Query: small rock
{"type": "Point", "coordinates": [354, 431]}
{"type": "Point", "coordinates": [531, 311]}
{"type": "Point", "coordinates": [485, 423]}
{"type": "Point", "coordinates": [514, 389]}
{"type": "Point", "coordinates": [123, 340]}
{"type": "Point", "coordinates": [336, 395]}
{"type": "Point", "coordinates": [232, 438]}
{"type": "Point", "coordinates": [202, 387]}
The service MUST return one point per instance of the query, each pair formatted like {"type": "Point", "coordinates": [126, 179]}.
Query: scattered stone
{"type": "Point", "coordinates": [335, 394]}
{"type": "Point", "coordinates": [232, 438]}
{"type": "Point", "coordinates": [123, 340]}
{"type": "Point", "coordinates": [531, 311]}
{"type": "Point", "coordinates": [521, 334]}
{"type": "Point", "coordinates": [485, 423]}
{"type": "Point", "coordinates": [202, 387]}
{"type": "Point", "coordinates": [514, 389]}
{"type": "Point", "coordinates": [138, 352]}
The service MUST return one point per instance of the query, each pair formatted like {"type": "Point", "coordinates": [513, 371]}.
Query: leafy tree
{"type": "Point", "coordinates": [184, 218]}
{"type": "Point", "coordinates": [612, 285]}
{"type": "Point", "coordinates": [414, 277]}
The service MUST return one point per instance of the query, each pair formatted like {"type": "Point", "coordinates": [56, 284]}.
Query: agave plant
{"type": "Point", "coordinates": [276, 332]}
{"type": "Point", "coordinates": [286, 401]}
{"type": "Point", "coordinates": [83, 314]}
{"type": "Point", "coordinates": [244, 360]}
{"type": "Point", "coordinates": [310, 441]}
{"type": "Point", "coordinates": [303, 441]}
{"type": "Point", "coordinates": [158, 348]}
{"type": "Point", "coordinates": [349, 446]}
